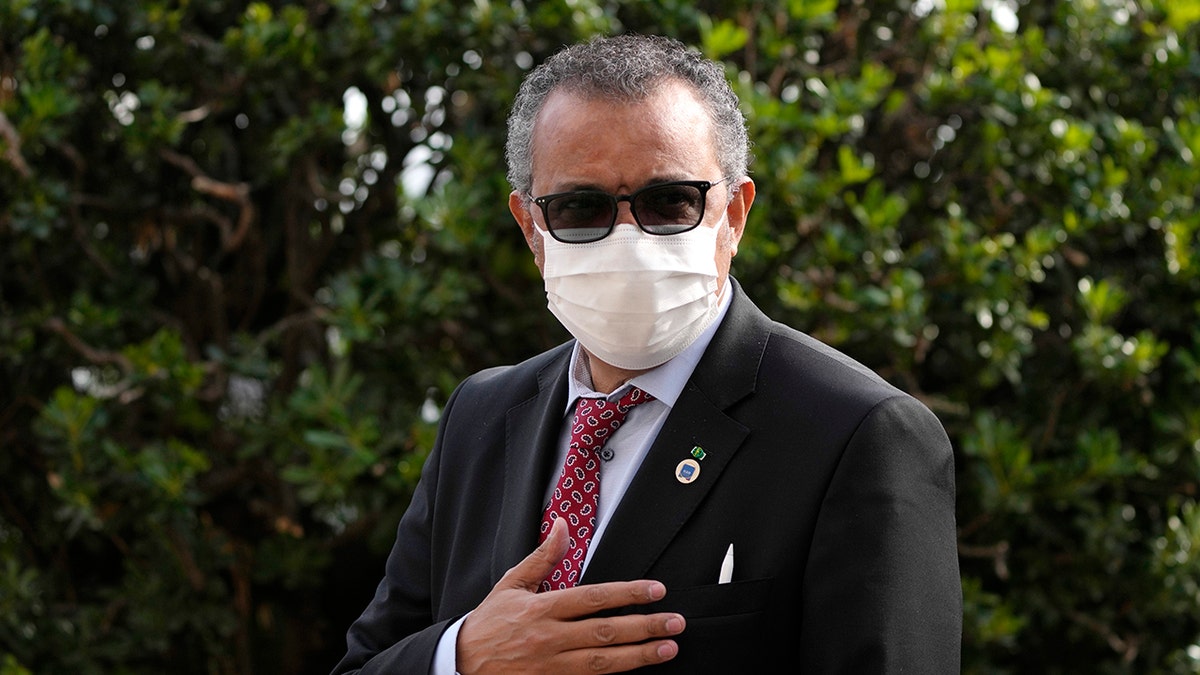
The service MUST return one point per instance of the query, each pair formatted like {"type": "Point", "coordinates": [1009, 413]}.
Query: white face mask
{"type": "Point", "coordinates": [634, 300]}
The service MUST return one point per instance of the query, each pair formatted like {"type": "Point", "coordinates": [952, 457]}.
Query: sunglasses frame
{"type": "Point", "coordinates": [702, 185]}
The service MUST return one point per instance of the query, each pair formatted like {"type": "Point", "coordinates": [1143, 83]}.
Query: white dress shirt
{"type": "Point", "coordinates": [629, 443]}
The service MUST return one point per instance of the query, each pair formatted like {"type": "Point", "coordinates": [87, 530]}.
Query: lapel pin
{"type": "Point", "coordinates": [687, 471]}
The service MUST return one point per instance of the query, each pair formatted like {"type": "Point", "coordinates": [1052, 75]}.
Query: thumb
{"type": "Point", "coordinates": [528, 574]}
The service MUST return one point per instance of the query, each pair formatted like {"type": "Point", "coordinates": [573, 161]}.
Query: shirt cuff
{"type": "Point", "coordinates": [444, 659]}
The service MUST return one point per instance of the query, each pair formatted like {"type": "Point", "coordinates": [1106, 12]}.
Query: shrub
{"type": "Point", "coordinates": [247, 249]}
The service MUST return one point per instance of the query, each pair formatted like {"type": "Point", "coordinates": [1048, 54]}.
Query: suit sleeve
{"type": "Point", "coordinates": [396, 632]}
{"type": "Point", "coordinates": [881, 590]}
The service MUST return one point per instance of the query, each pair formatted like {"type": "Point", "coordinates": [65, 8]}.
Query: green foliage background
{"type": "Point", "coordinates": [247, 250]}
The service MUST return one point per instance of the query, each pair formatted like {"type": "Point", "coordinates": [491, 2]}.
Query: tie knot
{"type": "Point", "coordinates": [597, 418]}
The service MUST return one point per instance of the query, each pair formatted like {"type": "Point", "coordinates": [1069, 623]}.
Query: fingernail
{"type": "Point", "coordinates": [674, 625]}
{"type": "Point", "coordinates": [667, 650]}
{"type": "Point", "coordinates": [656, 591]}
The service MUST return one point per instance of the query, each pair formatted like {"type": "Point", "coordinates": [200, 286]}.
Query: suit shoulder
{"type": "Point", "coordinates": [799, 356]}
{"type": "Point", "coordinates": [801, 373]}
{"type": "Point", "coordinates": [514, 381]}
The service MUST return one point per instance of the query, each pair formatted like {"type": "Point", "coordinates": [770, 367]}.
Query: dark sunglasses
{"type": "Point", "coordinates": [584, 216]}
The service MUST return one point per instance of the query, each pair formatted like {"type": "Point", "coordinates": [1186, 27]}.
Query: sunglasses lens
{"type": "Point", "coordinates": [669, 209]}
{"type": "Point", "coordinates": [589, 215]}
{"type": "Point", "coordinates": [580, 216]}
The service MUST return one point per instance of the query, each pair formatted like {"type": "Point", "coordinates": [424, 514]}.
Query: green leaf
{"type": "Point", "coordinates": [722, 38]}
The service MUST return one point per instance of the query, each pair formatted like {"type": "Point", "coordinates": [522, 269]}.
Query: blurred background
{"type": "Point", "coordinates": [247, 249]}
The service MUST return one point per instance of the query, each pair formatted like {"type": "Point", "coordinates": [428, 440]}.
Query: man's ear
{"type": "Point", "coordinates": [519, 206]}
{"type": "Point", "coordinates": [738, 210]}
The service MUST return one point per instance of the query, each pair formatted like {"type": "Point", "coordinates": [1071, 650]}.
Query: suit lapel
{"type": "Point", "coordinates": [657, 505]}
{"type": "Point", "coordinates": [531, 436]}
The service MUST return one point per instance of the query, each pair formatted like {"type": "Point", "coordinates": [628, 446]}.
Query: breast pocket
{"type": "Point", "coordinates": [725, 626]}
{"type": "Point", "coordinates": [717, 600]}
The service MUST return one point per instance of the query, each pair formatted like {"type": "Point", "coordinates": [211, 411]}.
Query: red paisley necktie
{"type": "Point", "coordinates": [577, 493]}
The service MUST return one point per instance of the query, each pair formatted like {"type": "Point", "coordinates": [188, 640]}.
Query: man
{"type": "Point", "coordinates": [766, 499]}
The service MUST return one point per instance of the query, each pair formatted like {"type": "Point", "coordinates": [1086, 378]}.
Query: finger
{"type": "Point", "coordinates": [622, 630]}
{"type": "Point", "coordinates": [591, 598]}
{"type": "Point", "coordinates": [618, 659]}
{"type": "Point", "coordinates": [528, 574]}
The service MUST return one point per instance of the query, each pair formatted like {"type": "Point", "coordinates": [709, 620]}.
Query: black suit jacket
{"type": "Point", "coordinates": [836, 489]}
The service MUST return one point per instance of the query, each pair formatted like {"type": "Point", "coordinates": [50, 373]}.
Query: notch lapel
{"type": "Point", "coordinates": [531, 436]}
{"type": "Point", "coordinates": [656, 505]}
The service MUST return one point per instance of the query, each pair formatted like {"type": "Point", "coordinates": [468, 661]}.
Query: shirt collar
{"type": "Point", "coordinates": [664, 382]}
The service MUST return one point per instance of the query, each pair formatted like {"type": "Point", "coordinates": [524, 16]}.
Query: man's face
{"type": "Point", "coordinates": [594, 144]}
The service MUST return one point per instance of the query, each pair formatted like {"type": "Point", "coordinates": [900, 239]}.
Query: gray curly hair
{"type": "Point", "coordinates": [626, 68]}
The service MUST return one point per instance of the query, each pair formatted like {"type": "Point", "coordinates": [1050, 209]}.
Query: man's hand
{"type": "Point", "coordinates": [516, 629]}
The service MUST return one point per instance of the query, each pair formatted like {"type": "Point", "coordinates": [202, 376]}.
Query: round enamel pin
{"type": "Point", "coordinates": [687, 471]}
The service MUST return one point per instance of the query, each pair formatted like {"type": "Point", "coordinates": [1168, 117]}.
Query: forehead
{"type": "Point", "coordinates": [585, 141]}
